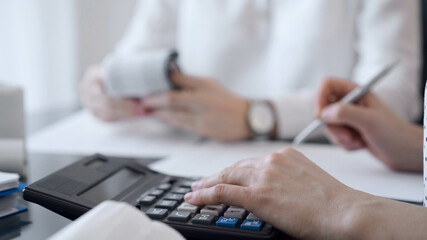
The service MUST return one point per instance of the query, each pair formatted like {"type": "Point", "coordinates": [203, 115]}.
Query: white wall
{"type": "Point", "coordinates": [46, 44]}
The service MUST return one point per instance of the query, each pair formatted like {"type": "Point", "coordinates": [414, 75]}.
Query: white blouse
{"type": "Point", "coordinates": [281, 50]}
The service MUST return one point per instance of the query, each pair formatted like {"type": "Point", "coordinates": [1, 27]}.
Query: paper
{"type": "Point", "coordinates": [358, 170]}
{"type": "Point", "coordinates": [82, 134]}
{"type": "Point", "coordinates": [114, 220]}
{"type": "Point", "coordinates": [8, 181]}
{"type": "Point", "coordinates": [12, 155]}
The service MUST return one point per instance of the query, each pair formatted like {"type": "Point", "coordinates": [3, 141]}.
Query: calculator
{"type": "Point", "coordinates": [76, 189]}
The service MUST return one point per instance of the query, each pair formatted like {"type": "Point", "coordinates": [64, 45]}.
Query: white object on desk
{"type": "Point", "coordinates": [358, 170]}
{"type": "Point", "coordinates": [114, 220]}
{"type": "Point", "coordinates": [8, 181]}
{"type": "Point", "coordinates": [12, 129]}
{"type": "Point", "coordinates": [82, 134]}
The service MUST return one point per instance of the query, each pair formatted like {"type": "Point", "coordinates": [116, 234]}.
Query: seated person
{"type": "Point", "coordinates": [274, 52]}
{"type": "Point", "coordinates": [290, 192]}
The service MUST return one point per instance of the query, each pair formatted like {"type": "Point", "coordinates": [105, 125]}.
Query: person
{"type": "Point", "coordinates": [252, 67]}
{"type": "Point", "coordinates": [289, 191]}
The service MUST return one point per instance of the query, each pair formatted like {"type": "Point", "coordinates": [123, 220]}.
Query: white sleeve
{"type": "Point", "coordinates": [387, 30]}
{"type": "Point", "coordinates": [153, 26]}
{"type": "Point", "coordinates": [390, 30]}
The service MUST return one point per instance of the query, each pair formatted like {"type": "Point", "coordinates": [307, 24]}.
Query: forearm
{"type": "Point", "coordinates": [372, 217]}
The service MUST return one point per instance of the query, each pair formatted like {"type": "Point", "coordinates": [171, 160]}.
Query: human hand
{"type": "Point", "coordinates": [102, 106]}
{"type": "Point", "coordinates": [202, 106]}
{"type": "Point", "coordinates": [286, 190]}
{"type": "Point", "coordinates": [369, 124]}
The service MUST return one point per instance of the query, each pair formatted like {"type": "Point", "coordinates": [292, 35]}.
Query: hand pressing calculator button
{"type": "Point", "coordinates": [227, 222]}
{"type": "Point", "coordinates": [158, 195]}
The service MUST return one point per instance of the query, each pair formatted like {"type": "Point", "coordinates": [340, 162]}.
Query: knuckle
{"type": "Point", "coordinates": [224, 174]}
{"type": "Point", "coordinates": [219, 192]}
{"type": "Point", "coordinates": [273, 158]}
{"type": "Point", "coordinates": [267, 175]}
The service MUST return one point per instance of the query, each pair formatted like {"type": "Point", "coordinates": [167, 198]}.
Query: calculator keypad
{"type": "Point", "coordinates": [167, 201]}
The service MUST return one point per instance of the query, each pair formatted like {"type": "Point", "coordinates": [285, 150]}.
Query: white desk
{"type": "Point", "coordinates": [185, 154]}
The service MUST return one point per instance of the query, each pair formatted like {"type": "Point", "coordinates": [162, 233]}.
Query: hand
{"type": "Point", "coordinates": [286, 190]}
{"type": "Point", "coordinates": [102, 106]}
{"type": "Point", "coordinates": [369, 124]}
{"type": "Point", "coordinates": [202, 106]}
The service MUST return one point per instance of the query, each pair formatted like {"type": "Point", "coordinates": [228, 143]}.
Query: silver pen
{"type": "Point", "coordinates": [352, 96]}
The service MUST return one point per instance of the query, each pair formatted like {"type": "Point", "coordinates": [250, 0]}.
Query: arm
{"type": "Point", "coordinates": [290, 192]}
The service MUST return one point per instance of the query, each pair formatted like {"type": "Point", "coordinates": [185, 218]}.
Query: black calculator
{"type": "Point", "coordinates": [76, 189]}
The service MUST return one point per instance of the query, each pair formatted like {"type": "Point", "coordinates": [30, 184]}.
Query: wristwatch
{"type": "Point", "coordinates": [262, 119]}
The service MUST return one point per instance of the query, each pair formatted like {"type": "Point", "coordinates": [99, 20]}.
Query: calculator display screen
{"type": "Point", "coordinates": [112, 186]}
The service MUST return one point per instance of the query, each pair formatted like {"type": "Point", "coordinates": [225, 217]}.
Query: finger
{"type": "Point", "coordinates": [331, 91]}
{"type": "Point", "coordinates": [345, 137]}
{"type": "Point", "coordinates": [219, 194]}
{"type": "Point", "coordinates": [172, 100]}
{"type": "Point", "coordinates": [347, 114]}
{"type": "Point", "coordinates": [186, 81]}
{"type": "Point", "coordinates": [230, 175]}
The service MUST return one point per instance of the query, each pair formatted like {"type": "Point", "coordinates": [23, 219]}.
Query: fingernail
{"type": "Point", "coordinates": [188, 196]}
{"type": "Point", "coordinates": [196, 185]}
{"type": "Point", "coordinates": [327, 113]}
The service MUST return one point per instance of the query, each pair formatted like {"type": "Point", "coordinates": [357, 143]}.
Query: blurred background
{"type": "Point", "coordinates": [45, 45]}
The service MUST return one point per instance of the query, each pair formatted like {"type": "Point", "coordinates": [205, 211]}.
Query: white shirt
{"type": "Point", "coordinates": [281, 50]}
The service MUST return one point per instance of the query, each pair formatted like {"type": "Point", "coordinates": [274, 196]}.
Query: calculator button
{"type": "Point", "coordinates": [168, 204]}
{"type": "Point", "coordinates": [215, 210]}
{"type": "Point", "coordinates": [181, 190]}
{"type": "Point", "coordinates": [251, 216]}
{"type": "Point", "coordinates": [235, 212]}
{"type": "Point", "coordinates": [179, 216]}
{"type": "Point", "coordinates": [156, 192]}
{"type": "Point", "coordinates": [146, 200]}
{"type": "Point", "coordinates": [174, 196]}
{"type": "Point", "coordinates": [203, 219]}
{"type": "Point", "coordinates": [227, 222]}
{"type": "Point", "coordinates": [157, 213]}
{"type": "Point", "coordinates": [186, 184]}
{"type": "Point", "coordinates": [252, 225]}
{"type": "Point", "coordinates": [186, 207]}
{"type": "Point", "coordinates": [164, 186]}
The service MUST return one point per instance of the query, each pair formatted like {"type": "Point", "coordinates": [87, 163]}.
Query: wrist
{"type": "Point", "coordinates": [357, 216]}
{"type": "Point", "coordinates": [261, 119]}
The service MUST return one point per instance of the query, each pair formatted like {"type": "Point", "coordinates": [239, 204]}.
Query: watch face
{"type": "Point", "coordinates": [261, 118]}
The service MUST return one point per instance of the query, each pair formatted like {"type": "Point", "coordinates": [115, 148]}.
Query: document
{"type": "Point", "coordinates": [359, 170]}
{"type": "Point", "coordinates": [83, 134]}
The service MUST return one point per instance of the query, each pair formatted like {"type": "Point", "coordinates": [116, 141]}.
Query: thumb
{"type": "Point", "coordinates": [346, 114]}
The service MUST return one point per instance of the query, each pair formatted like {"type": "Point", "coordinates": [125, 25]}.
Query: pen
{"type": "Point", "coordinates": [352, 96]}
